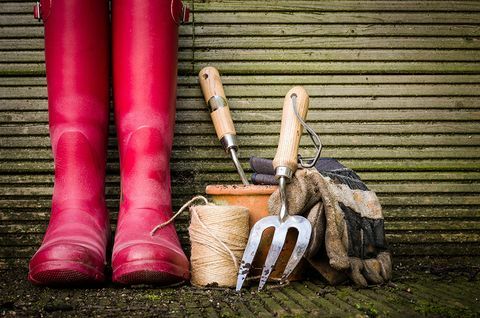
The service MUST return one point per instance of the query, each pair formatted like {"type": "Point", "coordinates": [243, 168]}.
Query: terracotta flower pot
{"type": "Point", "coordinates": [255, 198]}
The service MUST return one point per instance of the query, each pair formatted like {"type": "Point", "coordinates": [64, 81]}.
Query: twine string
{"type": "Point", "coordinates": [207, 242]}
{"type": "Point", "coordinates": [186, 205]}
{"type": "Point", "coordinates": [218, 236]}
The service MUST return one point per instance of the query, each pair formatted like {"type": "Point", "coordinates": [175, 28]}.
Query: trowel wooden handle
{"type": "Point", "coordinates": [291, 129]}
{"type": "Point", "coordinates": [211, 83]}
{"type": "Point", "coordinates": [212, 90]}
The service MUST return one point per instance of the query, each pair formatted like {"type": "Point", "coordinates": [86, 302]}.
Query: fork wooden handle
{"type": "Point", "coordinates": [291, 129]}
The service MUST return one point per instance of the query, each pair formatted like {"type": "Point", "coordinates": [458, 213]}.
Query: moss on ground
{"type": "Point", "coordinates": [428, 308]}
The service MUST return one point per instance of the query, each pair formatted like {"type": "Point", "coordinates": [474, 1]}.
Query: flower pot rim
{"type": "Point", "coordinates": [236, 189]}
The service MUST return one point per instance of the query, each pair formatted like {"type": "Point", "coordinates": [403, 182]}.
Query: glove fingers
{"type": "Point", "coordinates": [385, 260]}
{"type": "Point", "coordinates": [262, 165]}
{"type": "Point", "coordinates": [267, 179]}
{"type": "Point", "coordinates": [336, 236]}
{"type": "Point", "coordinates": [316, 216]}
{"type": "Point", "coordinates": [356, 268]}
{"type": "Point", "coordinates": [372, 270]}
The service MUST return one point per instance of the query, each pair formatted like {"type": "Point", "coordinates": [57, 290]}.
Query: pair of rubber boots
{"type": "Point", "coordinates": [144, 37]}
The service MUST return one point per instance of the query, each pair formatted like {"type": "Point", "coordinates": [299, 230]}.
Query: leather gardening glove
{"type": "Point", "coordinates": [354, 236]}
{"type": "Point", "coordinates": [303, 199]}
{"type": "Point", "coordinates": [347, 224]}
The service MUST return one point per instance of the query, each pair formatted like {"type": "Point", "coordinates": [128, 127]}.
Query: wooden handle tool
{"type": "Point", "coordinates": [285, 161]}
{"type": "Point", "coordinates": [212, 90]}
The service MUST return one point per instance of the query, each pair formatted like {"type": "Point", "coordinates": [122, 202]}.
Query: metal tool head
{"type": "Point", "coordinates": [281, 224]}
{"type": "Point", "coordinates": [304, 229]}
{"type": "Point", "coordinates": [238, 166]}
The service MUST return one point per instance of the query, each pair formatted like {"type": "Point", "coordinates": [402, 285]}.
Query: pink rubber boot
{"type": "Point", "coordinates": [145, 36]}
{"type": "Point", "coordinates": [76, 52]}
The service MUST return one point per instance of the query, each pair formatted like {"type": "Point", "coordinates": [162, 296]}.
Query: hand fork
{"type": "Point", "coordinates": [285, 164]}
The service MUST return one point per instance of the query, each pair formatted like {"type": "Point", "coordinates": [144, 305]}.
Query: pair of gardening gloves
{"type": "Point", "coordinates": [348, 238]}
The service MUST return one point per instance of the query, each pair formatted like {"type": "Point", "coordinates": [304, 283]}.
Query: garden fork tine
{"type": "Point", "coordinates": [304, 233]}
{"type": "Point", "coordinates": [285, 164]}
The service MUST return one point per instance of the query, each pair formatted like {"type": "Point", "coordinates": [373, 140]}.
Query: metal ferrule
{"type": "Point", "coordinates": [215, 102]}
{"type": "Point", "coordinates": [228, 142]}
{"type": "Point", "coordinates": [283, 172]}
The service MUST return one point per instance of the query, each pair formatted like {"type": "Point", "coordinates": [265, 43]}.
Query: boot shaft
{"type": "Point", "coordinates": [77, 65]}
{"type": "Point", "coordinates": [145, 44]}
{"type": "Point", "coordinates": [144, 51]}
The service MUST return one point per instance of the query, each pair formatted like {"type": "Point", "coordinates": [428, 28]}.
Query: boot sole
{"type": "Point", "coordinates": [150, 272]}
{"type": "Point", "coordinates": [60, 273]}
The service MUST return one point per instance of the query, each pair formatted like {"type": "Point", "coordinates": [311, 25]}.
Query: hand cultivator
{"type": "Point", "coordinates": [285, 164]}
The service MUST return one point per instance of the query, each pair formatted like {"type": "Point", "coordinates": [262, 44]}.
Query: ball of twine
{"type": "Point", "coordinates": [218, 236]}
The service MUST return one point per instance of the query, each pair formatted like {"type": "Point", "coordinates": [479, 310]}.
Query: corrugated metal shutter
{"type": "Point", "coordinates": [394, 89]}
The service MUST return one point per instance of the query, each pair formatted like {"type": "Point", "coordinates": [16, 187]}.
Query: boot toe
{"type": "Point", "coordinates": [66, 263]}
{"type": "Point", "coordinates": [149, 263]}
